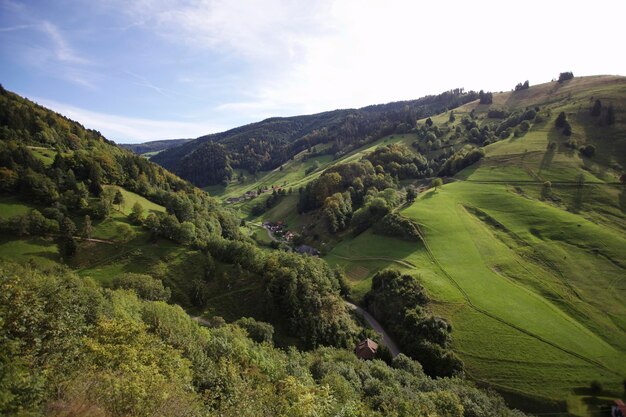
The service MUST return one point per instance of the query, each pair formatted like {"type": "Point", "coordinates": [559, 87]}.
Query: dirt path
{"type": "Point", "coordinates": [393, 348]}
{"type": "Point", "coordinates": [269, 233]}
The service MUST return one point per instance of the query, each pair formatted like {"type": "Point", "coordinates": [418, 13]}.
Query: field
{"type": "Point", "coordinates": [532, 280]}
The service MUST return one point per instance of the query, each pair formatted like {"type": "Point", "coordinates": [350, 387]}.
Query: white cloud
{"type": "Point", "coordinates": [314, 56]}
{"type": "Point", "coordinates": [60, 47]}
{"type": "Point", "coordinates": [128, 129]}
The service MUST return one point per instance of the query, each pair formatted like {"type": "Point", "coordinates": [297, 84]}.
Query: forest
{"type": "Point", "coordinates": [266, 145]}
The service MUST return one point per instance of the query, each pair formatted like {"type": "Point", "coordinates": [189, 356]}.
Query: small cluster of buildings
{"type": "Point", "coordinates": [249, 195]}
{"type": "Point", "coordinates": [279, 230]}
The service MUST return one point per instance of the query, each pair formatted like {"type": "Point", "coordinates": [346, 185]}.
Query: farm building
{"type": "Point", "coordinates": [366, 349]}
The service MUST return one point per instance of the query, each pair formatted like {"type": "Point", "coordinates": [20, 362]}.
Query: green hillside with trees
{"type": "Point", "coordinates": [508, 212]}
{"type": "Point", "coordinates": [104, 259]}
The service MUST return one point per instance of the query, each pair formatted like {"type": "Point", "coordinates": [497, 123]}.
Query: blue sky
{"type": "Point", "coordinates": [156, 69]}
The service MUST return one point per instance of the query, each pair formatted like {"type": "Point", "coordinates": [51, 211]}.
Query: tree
{"type": "Point", "coordinates": [118, 198]}
{"type": "Point", "coordinates": [560, 120]}
{"type": "Point", "coordinates": [436, 182]}
{"type": "Point", "coordinates": [597, 108]}
{"type": "Point", "coordinates": [485, 98]}
{"type": "Point", "coordinates": [429, 122]}
{"type": "Point", "coordinates": [67, 243]}
{"type": "Point", "coordinates": [564, 76]}
{"type": "Point", "coordinates": [87, 228]}
{"type": "Point", "coordinates": [411, 195]}
{"type": "Point", "coordinates": [136, 213]}
{"type": "Point", "coordinates": [258, 331]}
{"type": "Point", "coordinates": [451, 119]}
{"type": "Point", "coordinates": [523, 86]}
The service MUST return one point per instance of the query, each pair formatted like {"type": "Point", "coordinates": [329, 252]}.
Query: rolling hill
{"type": "Point", "coordinates": [262, 146]}
{"type": "Point", "coordinates": [522, 251]}
{"type": "Point", "coordinates": [151, 148]}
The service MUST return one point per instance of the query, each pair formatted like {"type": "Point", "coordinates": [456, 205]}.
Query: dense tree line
{"type": "Point", "coordinates": [522, 86]}
{"type": "Point", "coordinates": [303, 290]}
{"type": "Point", "coordinates": [461, 160]}
{"type": "Point", "coordinates": [400, 303]}
{"type": "Point", "coordinates": [69, 347]}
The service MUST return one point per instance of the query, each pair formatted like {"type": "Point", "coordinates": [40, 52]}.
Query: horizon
{"type": "Point", "coordinates": [155, 70]}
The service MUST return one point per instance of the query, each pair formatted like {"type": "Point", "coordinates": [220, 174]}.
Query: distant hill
{"type": "Point", "coordinates": [153, 146]}
{"type": "Point", "coordinates": [270, 143]}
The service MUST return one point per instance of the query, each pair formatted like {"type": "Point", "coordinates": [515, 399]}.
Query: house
{"type": "Point", "coordinates": [366, 349]}
{"type": "Point", "coordinates": [618, 409]}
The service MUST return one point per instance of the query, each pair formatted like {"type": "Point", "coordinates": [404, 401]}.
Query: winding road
{"type": "Point", "coordinates": [393, 348]}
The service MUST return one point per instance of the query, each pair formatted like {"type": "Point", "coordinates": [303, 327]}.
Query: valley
{"type": "Point", "coordinates": [510, 231]}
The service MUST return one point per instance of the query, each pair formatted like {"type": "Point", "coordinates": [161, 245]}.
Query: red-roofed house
{"type": "Point", "coordinates": [366, 349]}
{"type": "Point", "coordinates": [618, 409]}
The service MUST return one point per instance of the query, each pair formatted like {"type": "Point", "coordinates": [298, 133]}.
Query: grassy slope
{"type": "Point", "coordinates": [11, 206]}
{"type": "Point", "coordinates": [533, 288]}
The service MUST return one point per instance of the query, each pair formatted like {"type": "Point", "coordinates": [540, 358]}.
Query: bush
{"type": "Point", "coordinates": [588, 150]}
{"type": "Point", "coordinates": [497, 114]}
{"type": "Point", "coordinates": [396, 225]}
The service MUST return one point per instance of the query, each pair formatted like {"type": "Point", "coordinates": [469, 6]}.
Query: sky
{"type": "Point", "coordinates": [161, 69]}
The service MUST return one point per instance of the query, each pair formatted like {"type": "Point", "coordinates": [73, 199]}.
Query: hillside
{"type": "Point", "coordinates": [521, 250]}
{"type": "Point", "coordinates": [262, 146]}
{"type": "Point", "coordinates": [99, 245]}
{"type": "Point", "coordinates": [153, 147]}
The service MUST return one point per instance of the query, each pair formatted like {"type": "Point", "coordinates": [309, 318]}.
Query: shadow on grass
{"type": "Point", "coordinates": [44, 254]}
{"type": "Point", "coordinates": [622, 200]}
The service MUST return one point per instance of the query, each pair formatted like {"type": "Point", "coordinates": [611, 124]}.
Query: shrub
{"type": "Point", "coordinates": [567, 129]}
{"type": "Point", "coordinates": [588, 150]}
{"type": "Point", "coordinates": [396, 225]}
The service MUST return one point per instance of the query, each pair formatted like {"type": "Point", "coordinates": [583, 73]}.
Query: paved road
{"type": "Point", "coordinates": [393, 348]}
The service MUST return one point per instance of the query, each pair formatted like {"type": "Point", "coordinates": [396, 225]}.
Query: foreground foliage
{"type": "Point", "coordinates": [69, 347]}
